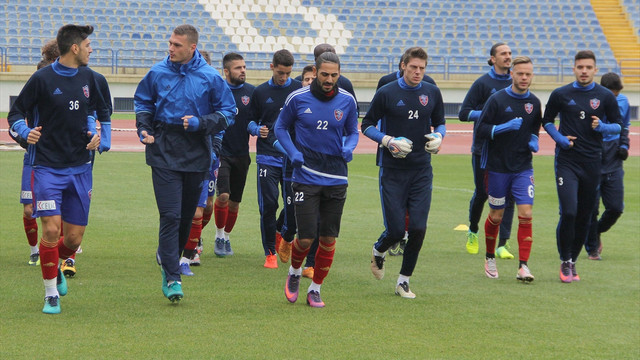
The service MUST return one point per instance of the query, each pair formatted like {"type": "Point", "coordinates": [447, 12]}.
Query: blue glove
{"type": "Point", "coordinates": [253, 128]}
{"type": "Point", "coordinates": [347, 154]}
{"type": "Point", "coordinates": [474, 115]}
{"type": "Point", "coordinates": [560, 139]}
{"type": "Point", "coordinates": [607, 129]}
{"type": "Point", "coordinates": [105, 137]}
{"type": "Point", "coordinates": [194, 123]}
{"type": "Point", "coordinates": [511, 125]}
{"type": "Point", "coordinates": [533, 143]}
{"type": "Point", "coordinates": [297, 160]}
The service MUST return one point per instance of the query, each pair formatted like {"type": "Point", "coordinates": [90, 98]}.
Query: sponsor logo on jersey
{"type": "Point", "coordinates": [26, 195]}
{"type": "Point", "coordinates": [497, 201]}
{"type": "Point", "coordinates": [508, 109]}
{"type": "Point", "coordinates": [308, 111]}
{"type": "Point", "coordinates": [269, 101]}
{"type": "Point", "coordinates": [245, 100]}
{"type": "Point", "coordinates": [400, 103]}
{"type": "Point", "coordinates": [595, 103]}
{"type": "Point", "coordinates": [528, 107]}
{"type": "Point", "coordinates": [571, 102]}
{"type": "Point", "coordinates": [57, 91]}
{"type": "Point", "coordinates": [337, 113]}
{"type": "Point", "coordinates": [85, 90]}
{"type": "Point", "coordinates": [424, 100]}
{"type": "Point", "coordinates": [46, 205]}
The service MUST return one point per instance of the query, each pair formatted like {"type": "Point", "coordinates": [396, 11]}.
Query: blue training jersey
{"type": "Point", "coordinates": [576, 104]}
{"type": "Point", "coordinates": [485, 86]}
{"type": "Point", "coordinates": [236, 138]}
{"type": "Point", "coordinates": [266, 103]}
{"type": "Point", "coordinates": [319, 130]}
{"type": "Point", "coordinates": [397, 75]}
{"type": "Point", "coordinates": [408, 112]}
{"type": "Point", "coordinates": [508, 152]}
{"type": "Point", "coordinates": [60, 99]}
{"type": "Point", "coordinates": [611, 143]}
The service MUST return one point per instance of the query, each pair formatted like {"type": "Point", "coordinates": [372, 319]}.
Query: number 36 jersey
{"type": "Point", "coordinates": [60, 99]}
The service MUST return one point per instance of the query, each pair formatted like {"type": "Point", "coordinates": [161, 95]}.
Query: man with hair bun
{"type": "Point", "coordinates": [496, 79]}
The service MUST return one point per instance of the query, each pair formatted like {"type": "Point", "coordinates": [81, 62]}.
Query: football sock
{"type": "Point", "coordinates": [51, 287]}
{"type": "Point", "coordinates": [219, 233]}
{"type": "Point", "coordinates": [377, 253]}
{"type": "Point", "coordinates": [34, 249]}
{"type": "Point", "coordinates": [206, 217]}
{"type": "Point", "coordinates": [232, 216]}
{"type": "Point", "coordinates": [226, 235]}
{"type": "Point", "coordinates": [524, 238]}
{"type": "Point", "coordinates": [298, 254]}
{"type": "Point", "coordinates": [502, 242]}
{"type": "Point", "coordinates": [314, 287]}
{"type": "Point", "coordinates": [324, 259]}
{"type": "Point", "coordinates": [31, 229]}
{"type": "Point", "coordinates": [491, 230]}
{"type": "Point", "coordinates": [294, 271]}
{"type": "Point", "coordinates": [184, 260]}
{"type": "Point", "coordinates": [220, 213]}
{"type": "Point", "coordinates": [73, 257]}
{"type": "Point", "coordinates": [194, 234]}
{"type": "Point", "coordinates": [402, 279]}
{"type": "Point", "coordinates": [48, 261]}
{"type": "Point", "coordinates": [522, 263]}
{"type": "Point", "coordinates": [63, 251]}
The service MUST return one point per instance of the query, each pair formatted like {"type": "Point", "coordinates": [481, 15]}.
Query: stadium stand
{"type": "Point", "coordinates": [369, 35]}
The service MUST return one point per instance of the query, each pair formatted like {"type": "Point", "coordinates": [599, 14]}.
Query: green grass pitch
{"type": "Point", "coordinates": [236, 309]}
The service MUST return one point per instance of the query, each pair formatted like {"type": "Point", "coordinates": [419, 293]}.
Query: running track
{"type": "Point", "coordinates": [457, 140]}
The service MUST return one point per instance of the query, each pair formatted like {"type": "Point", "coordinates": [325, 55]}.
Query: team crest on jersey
{"type": "Point", "coordinates": [595, 103]}
{"type": "Point", "coordinates": [338, 114]}
{"type": "Point", "coordinates": [85, 90]}
{"type": "Point", "coordinates": [528, 107]}
{"type": "Point", "coordinates": [424, 100]}
{"type": "Point", "coordinates": [245, 100]}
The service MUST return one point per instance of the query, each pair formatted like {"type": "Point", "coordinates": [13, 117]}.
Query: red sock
{"type": "Point", "coordinates": [490, 234]}
{"type": "Point", "coordinates": [194, 235]}
{"type": "Point", "coordinates": [220, 214]}
{"type": "Point", "coordinates": [31, 229]}
{"type": "Point", "coordinates": [206, 217]}
{"type": "Point", "coordinates": [406, 221]}
{"type": "Point", "coordinates": [48, 261]}
{"type": "Point", "coordinates": [231, 221]}
{"type": "Point", "coordinates": [324, 259]}
{"type": "Point", "coordinates": [525, 238]}
{"type": "Point", "coordinates": [73, 256]}
{"type": "Point", "coordinates": [63, 251]}
{"type": "Point", "coordinates": [298, 254]}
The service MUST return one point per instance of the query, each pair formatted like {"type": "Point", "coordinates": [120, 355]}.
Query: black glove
{"type": "Point", "coordinates": [622, 153]}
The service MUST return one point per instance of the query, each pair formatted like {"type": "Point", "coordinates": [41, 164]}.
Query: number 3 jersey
{"type": "Point", "coordinates": [60, 99]}
{"type": "Point", "coordinates": [408, 112]}
{"type": "Point", "coordinates": [576, 104]}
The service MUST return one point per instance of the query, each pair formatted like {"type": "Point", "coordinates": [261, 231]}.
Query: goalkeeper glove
{"type": "Point", "coordinates": [434, 140]}
{"type": "Point", "coordinates": [399, 147]}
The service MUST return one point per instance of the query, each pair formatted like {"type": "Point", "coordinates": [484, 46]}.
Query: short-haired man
{"type": "Point", "coordinates": [62, 99]}
{"type": "Point", "coordinates": [234, 154]}
{"type": "Point", "coordinates": [578, 161]}
{"type": "Point", "coordinates": [615, 150]}
{"type": "Point", "coordinates": [180, 104]}
{"type": "Point", "coordinates": [266, 102]}
{"type": "Point", "coordinates": [322, 115]}
{"type": "Point", "coordinates": [394, 76]}
{"type": "Point", "coordinates": [412, 125]}
{"type": "Point", "coordinates": [509, 124]}
{"type": "Point", "coordinates": [496, 79]}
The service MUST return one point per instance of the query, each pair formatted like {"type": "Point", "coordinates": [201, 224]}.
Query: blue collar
{"type": "Point", "coordinates": [235, 87]}
{"type": "Point", "coordinates": [405, 86]}
{"type": "Point", "coordinates": [63, 70]}
{"type": "Point", "coordinates": [271, 83]}
{"type": "Point", "coordinates": [398, 74]}
{"type": "Point", "coordinates": [515, 95]}
{"type": "Point", "coordinates": [497, 76]}
{"type": "Point", "coordinates": [583, 88]}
